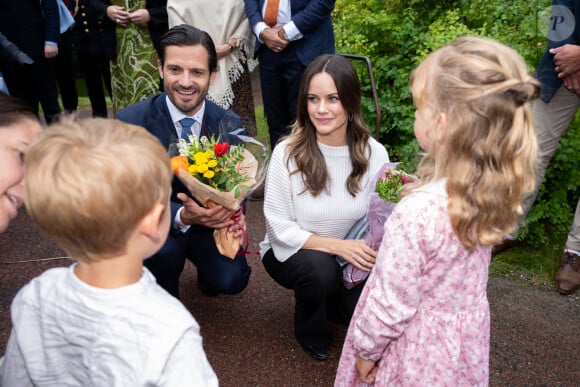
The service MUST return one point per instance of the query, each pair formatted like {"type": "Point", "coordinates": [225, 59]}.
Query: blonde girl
{"type": "Point", "coordinates": [423, 317]}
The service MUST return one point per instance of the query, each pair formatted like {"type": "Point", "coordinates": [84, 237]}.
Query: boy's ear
{"type": "Point", "coordinates": [149, 225]}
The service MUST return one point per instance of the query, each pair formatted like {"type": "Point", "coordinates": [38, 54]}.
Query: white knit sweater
{"type": "Point", "coordinates": [291, 217]}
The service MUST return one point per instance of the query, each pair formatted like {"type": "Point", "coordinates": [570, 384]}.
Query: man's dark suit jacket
{"type": "Point", "coordinates": [30, 23]}
{"type": "Point", "coordinates": [94, 32]}
{"type": "Point", "coordinates": [153, 115]}
{"type": "Point", "coordinates": [158, 25]}
{"type": "Point", "coordinates": [546, 72]}
{"type": "Point", "coordinates": [312, 18]}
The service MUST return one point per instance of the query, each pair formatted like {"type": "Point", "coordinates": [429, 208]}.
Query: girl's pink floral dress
{"type": "Point", "coordinates": [423, 313]}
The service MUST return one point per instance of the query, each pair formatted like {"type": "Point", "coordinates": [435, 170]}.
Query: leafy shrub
{"type": "Point", "coordinates": [397, 35]}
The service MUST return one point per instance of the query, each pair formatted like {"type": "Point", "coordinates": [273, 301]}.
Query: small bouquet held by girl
{"type": "Point", "coordinates": [385, 195]}
{"type": "Point", "coordinates": [222, 171]}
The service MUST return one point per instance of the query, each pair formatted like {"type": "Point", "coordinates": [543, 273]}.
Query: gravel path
{"type": "Point", "coordinates": [535, 337]}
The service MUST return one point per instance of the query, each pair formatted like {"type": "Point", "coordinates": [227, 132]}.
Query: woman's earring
{"type": "Point", "coordinates": [350, 116]}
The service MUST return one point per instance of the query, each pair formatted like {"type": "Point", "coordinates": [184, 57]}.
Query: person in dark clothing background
{"type": "Point", "coordinates": [64, 67]}
{"type": "Point", "coordinates": [95, 43]}
{"type": "Point", "coordinates": [288, 39]}
{"type": "Point", "coordinates": [33, 26]}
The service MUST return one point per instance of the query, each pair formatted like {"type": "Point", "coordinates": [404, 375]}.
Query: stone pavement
{"type": "Point", "coordinates": [248, 337]}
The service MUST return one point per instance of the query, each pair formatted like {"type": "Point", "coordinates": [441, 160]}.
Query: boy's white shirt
{"type": "Point", "coordinates": [66, 332]}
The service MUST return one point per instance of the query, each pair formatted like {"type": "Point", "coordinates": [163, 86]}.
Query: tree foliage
{"type": "Point", "coordinates": [397, 35]}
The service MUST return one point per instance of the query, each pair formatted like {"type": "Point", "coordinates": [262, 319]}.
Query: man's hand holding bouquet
{"type": "Point", "coordinates": [387, 187]}
{"type": "Point", "coordinates": [219, 173]}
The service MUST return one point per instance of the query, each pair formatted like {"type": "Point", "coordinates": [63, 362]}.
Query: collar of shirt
{"type": "Point", "coordinates": [177, 115]}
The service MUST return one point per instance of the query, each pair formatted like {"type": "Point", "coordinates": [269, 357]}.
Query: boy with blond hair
{"type": "Point", "coordinates": [101, 189]}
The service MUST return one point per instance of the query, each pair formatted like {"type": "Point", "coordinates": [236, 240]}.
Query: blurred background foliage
{"type": "Point", "coordinates": [397, 35]}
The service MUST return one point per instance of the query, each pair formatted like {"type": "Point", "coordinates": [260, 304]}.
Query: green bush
{"type": "Point", "coordinates": [396, 36]}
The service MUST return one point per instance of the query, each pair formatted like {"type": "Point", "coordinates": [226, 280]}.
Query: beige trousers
{"type": "Point", "coordinates": [552, 120]}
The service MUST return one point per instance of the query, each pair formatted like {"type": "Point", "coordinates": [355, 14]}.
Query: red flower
{"type": "Point", "coordinates": [221, 149]}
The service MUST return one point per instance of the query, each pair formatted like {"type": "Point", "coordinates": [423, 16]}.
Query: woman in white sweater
{"type": "Point", "coordinates": [317, 188]}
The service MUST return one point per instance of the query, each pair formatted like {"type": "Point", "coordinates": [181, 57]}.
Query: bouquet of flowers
{"type": "Point", "coordinates": [387, 188]}
{"type": "Point", "coordinates": [219, 173]}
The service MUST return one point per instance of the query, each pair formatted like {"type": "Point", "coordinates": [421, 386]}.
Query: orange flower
{"type": "Point", "coordinates": [179, 162]}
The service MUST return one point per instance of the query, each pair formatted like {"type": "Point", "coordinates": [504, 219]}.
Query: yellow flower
{"type": "Point", "coordinates": [200, 158]}
{"type": "Point", "coordinates": [220, 172]}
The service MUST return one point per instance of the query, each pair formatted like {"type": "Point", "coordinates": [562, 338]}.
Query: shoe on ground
{"type": "Point", "coordinates": [318, 353]}
{"type": "Point", "coordinates": [568, 277]}
{"type": "Point", "coordinates": [206, 290]}
{"type": "Point", "coordinates": [503, 246]}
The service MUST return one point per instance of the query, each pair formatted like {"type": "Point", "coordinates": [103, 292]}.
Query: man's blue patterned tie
{"type": "Point", "coordinates": [186, 124]}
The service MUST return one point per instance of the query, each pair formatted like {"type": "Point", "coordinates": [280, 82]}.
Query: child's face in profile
{"type": "Point", "coordinates": [425, 122]}
{"type": "Point", "coordinates": [14, 141]}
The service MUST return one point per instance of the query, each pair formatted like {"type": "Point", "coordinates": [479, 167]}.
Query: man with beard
{"type": "Point", "coordinates": [188, 65]}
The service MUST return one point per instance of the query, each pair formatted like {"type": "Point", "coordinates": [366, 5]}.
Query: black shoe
{"type": "Point", "coordinates": [568, 277]}
{"type": "Point", "coordinates": [206, 289]}
{"type": "Point", "coordinates": [316, 352]}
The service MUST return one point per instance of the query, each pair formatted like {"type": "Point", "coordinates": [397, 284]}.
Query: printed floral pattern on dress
{"type": "Point", "coordinates": [423, 313]}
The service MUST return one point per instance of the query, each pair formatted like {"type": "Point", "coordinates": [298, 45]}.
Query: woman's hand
{"type": "Point", "coordinates": [226, 48]}
{"type": "Point", "coordinates": [223, 50]}
{"type": "Point", "coordinates": [140, 17]}
{"type": "Point", "coordinates": [118, 15]}
{"type": "Point", "coordinates": [367, 370]}
{"type": "Point", "coordinates": [238, 224]}
{"type": "Point", "coordinates": [356, 252]}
